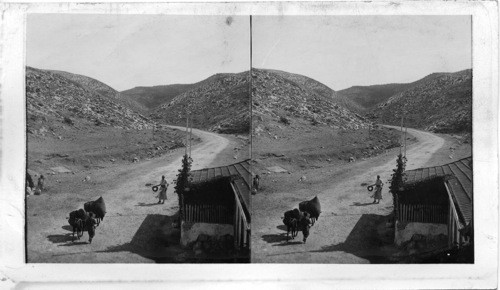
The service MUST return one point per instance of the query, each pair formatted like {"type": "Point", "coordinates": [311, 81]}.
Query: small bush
{"type": "Point", "coordinates": [68, 121]}
{"type": "Point", "coordinates": [284, 120]}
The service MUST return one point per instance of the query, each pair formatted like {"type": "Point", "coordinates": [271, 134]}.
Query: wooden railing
{"type": "Point", "coordinates": [420, 213]}
{"type": "Point", "coordinates": [205, 213]}
{"type": "Point", "coordinates": [241, 225]}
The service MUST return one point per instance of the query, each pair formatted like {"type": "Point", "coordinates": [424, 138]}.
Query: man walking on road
{"type": "Point", "coordinates": [377, 196]}
{"type": "Point", "coordinates": [163, 193]}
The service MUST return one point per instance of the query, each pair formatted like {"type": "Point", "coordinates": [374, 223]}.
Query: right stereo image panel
{"type": "Point", "coordinates": [362, 139]}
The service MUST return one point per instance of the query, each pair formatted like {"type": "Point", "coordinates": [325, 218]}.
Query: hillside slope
{"type": "Point", "coordinates": [291, 98]}
{"type": "Point", "coordinates": [307, 82]}
{"type": "Point", "coordinates": [219, 103]}
{"type": "Point", "coordinates": [440, 102]}
{"type": "Point", "coordinates": [54, 101]}
{"type": "Point", "coordinates": [152, 97]}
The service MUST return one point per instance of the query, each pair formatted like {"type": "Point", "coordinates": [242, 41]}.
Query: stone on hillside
{"type": "Point", "coordinates": [303, 178]}
{"type": "Point", "coordinates": [60, 169]}
{"type": "Point", "coordinates": [43, 130]}
{"type": "Point", "coordinates": [87, 178]}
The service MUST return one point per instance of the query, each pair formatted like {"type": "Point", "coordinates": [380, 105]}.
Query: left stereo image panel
{"type": "Point", "coordinates": [138, 139]}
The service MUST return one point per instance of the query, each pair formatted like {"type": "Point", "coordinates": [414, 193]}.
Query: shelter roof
{"type": "Point", "coordinates": [242, 179]}
{"type": "Point", "coordinates": [458, 182]}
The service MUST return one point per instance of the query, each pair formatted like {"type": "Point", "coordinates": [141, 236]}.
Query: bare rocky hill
{"type": "Point", "coordinates": [219, 103]}
{"type": "Point", "coordinates": [89, 83]}
{"type": "Point", "coordinates": [290, 98]}
{"type": "Point", "coordinates": [440, 102]}
{"type": "Point", "coordinates": [102, 89]}
{"type": "Point", "coordinates": [55, 102]}
{"type": "Point", "coordinates": [151, 97]}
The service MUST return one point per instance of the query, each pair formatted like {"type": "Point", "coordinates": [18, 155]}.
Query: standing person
{"type": "Point", "coordinates": [377, 196]}
{"type": "Point", "coordinates": [40, 185]}
{"type": "Point", "coordinates": [41, 182]}
{"type": "Point", "coordinates": [163, 193]}
{"type": "Point", "coordinates": [256, 182]}
{"type": "Point", "coordinates": [29, 184]}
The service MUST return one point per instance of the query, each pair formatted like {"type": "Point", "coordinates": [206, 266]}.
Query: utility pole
{"type": "Point", "coordinates": [187, 126]}
{"type": "Point", "coordinates": [250, 85]}
{"type": "Point", "coordinates": [401, 145]}
{"type": "Point", "coordinates": [406, 130]}
{"type": "Point", "coordinates": [190, 137]}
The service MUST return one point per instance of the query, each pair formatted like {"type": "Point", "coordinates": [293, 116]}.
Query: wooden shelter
{"type": "Point", "coordinates": [436, 200]}
{"type": "Point", "coordinates": [218, 204]}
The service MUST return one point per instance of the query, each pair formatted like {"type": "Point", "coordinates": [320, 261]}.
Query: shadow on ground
{"type": "Point", "coordinates": [366, 240]}
{"type": "Point", "coordinates": [289, 243]}
{"type": "Point", "coordinates": [362, 204]}
{"type": "Point", "coordinates": [68, 239]}
{"type": "Point", "coordinates": [147, 204]}
{"type": "Point", "coordinates": [68, 228]}
{"type": "Point", "coordinates": [282, 227]}
{"type": "Point", "coordinates": [58, 239]}
{"type": "Point", "coordinates": [281, 240]}
{"type": "Point", "coordinates": [276, 238]}
{"type": "Point", "coordinates": [148, 239]}
{"type": "Point", "coordinates": [74, 244]}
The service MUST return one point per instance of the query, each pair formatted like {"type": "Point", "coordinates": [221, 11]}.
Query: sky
{"type": "Point", "coordinates": [125, 51]}
{"type": "Point", "coordinates": [345, 51]}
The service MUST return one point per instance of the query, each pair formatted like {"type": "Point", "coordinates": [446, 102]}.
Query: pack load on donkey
{"type": "Point", "coordinates": [98, 207]}
{"type": "Point", "coordinates": [313, 207]}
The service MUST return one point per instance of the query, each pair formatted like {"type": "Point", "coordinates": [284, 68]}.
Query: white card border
{"type": "Point", "coordinates": [482, 274]}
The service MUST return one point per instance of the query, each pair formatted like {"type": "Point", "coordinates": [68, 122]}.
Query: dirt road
{"type": "Point", "coordinates": [132, 229]}
{"type": "Point", "coordinates": [347, 229]}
